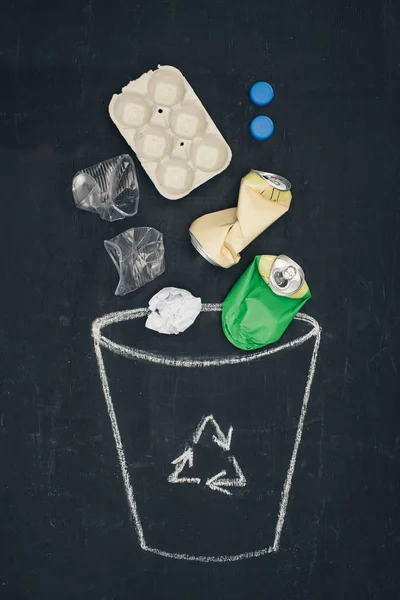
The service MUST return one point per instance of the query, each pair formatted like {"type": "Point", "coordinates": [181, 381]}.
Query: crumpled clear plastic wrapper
{"type": "Point", "coordinates": [138, 255]}
{"type": "Point", "coordinates": [172, 310]}
{"type": "Point", "coordinates": [109, 188]}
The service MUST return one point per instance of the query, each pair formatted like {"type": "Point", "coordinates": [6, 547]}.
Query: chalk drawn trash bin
{"type": "Point", "coordinates": [207, 442]}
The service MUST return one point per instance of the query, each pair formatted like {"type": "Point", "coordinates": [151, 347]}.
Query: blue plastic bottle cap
{"type": "Point", "coordinates": [261, 93]}
{"type": "Point", "coordinates": [261, 127]}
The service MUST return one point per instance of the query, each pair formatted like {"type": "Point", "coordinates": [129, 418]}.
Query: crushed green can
{"type": "Point", "coordinates": [264, 301]}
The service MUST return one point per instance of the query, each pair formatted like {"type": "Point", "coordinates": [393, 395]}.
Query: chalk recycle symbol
{"type": "Point", "coordinates": [219, 482]}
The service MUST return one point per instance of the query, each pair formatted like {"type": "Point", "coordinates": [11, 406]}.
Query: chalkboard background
{"type": "Point", "coordinates": [66, 531]}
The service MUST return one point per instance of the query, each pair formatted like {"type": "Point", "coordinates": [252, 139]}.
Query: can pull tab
{"type": "Point", "coordinates": [282, 278]}
{"type": "Point", "coordinates": [286, 276]}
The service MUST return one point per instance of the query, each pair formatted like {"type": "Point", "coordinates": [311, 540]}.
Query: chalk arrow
{"type": "Point", "coordinates": [219, 481]}
{"type": "Point", "coordinates": [214, 482]}
{"type": "Point", "coordinates": [186, 458]}
{"type": "Point", "coordinates": [223, 441]}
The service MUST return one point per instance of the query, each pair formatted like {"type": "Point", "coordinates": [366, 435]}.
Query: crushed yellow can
{"type": "Point", "coordinates": [220, 236]}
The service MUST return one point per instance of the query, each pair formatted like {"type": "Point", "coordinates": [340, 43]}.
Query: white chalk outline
{"type": "Point", "coordinates": [102, 341]}
{"type": "Point", "coordinates": [186, 458]}
{"type": "Point", "coordinates": [214, 482]}
{"type": "Point", "coordinates": [218, 480]}
{"type": "Point", "coordinates": [223, 441]}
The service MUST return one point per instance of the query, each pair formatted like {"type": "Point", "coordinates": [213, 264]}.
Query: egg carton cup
{"type": "Point", "coordinates": [172, 134]}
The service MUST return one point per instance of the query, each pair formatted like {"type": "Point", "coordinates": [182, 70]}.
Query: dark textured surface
{"type": "Point", "coordinates": [65, 527]}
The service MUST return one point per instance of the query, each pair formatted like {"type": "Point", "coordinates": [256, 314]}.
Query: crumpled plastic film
{"type": "Point", "coordinates": [109, 189]}
{"type": "Point", "coordinates": [138, 255]}
{"type": "Point", "coordinates": [220, 236]}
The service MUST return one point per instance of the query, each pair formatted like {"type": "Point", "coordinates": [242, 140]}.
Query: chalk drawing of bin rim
{"type": "Point", "coordinates": [101, 341]}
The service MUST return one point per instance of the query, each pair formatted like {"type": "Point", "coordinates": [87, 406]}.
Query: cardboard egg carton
{"type": "Point", "coordinates": [170, 131]}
